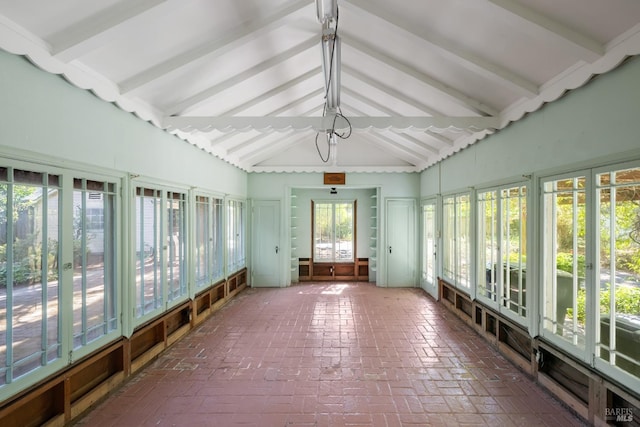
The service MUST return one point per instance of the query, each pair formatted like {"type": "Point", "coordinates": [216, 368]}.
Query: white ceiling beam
{"type": "Point", "coordinates": [314, 73]}
{"type": "Point", "coordinates": [397, 150]}
{"type": "Point", "coordinates": [585, 47]}
{"type": "Point", "coordinates": [279, 111]}
{"type": "Point", "coordinates": [91, 33]}
{"type": "Point", "coordinates": [468, 60]}
{"type": "Point", "coordinates": [472, 105]}
{"type": "Point", "coordinates": [252, 159]}
{"type": "Point", "coordinates": [389, 90]}
{"type": "Point", "coordinates": [423, 147]}
{"type": "Point", "coordinates": [233, 40]}
{"type": "Point", "coordinates": [392, 113]}
{"type": "Point", "coordinates": [269, 124]}
{"type": "Point", "coordinates": [190, 102]}
{"type": "Point", "coordinates": [244, 145]}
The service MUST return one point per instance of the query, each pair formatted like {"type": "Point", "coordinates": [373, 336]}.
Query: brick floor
{"type": "Point", "coordinates": [331, 355]}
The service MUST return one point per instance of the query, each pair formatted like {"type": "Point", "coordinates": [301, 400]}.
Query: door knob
{"type": "Point", "coordinates": [389, 249]}
{"type": "Point", "coordinates": [277, 249]}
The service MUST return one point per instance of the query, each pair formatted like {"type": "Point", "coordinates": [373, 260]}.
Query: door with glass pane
{"type": "Point", "coordinates": [429, 247]}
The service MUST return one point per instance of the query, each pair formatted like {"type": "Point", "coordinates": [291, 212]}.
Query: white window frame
{"type": "Point", "coordinates": [214, 236]}
{"type": "Point", "coordinates": [548, 261]}
{"type": "Point", "coordinates": [159, 252]}
{"type": "Point", "coordinates": [236, 235]}
{"type": "Point", "coordinates": [65, 320]}
{"type": "Point", "coordinates": [614, 372]}
{"type": "Point", "coordinates": [333, 232]}
{"type": "Point", "coordinates": [452, 241]}
{"type": "Point", "coordinates": [498, 297]}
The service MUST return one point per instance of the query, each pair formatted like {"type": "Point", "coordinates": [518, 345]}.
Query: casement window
{"type": "Point", "coordinates": [617, 271]}
{"type": "Point", "coordinates": [236, 234]}
{"type": "Point", "coordinates": [591, 267]}
{"type": "Point", "coordinates": [333, 231]}
{"type": "Point", "coordinates": [94, 246]}
{"type": "Point", "coordinates": [30, 233]}
{"type": "Point", "coordinates": [564, 252]}
{"type": "Point", "coordinates": [160, 253]}
{"type": "Point", "coordinates": [429, 242]}
{"type": "Point", "coordinates": [456, 216]}
{"type": "Point", "coordinates": [501, 248]}
{"type": "Point", "coordinates": [58, 296]}
{"type": "Point", "coordinates": [209, 254]}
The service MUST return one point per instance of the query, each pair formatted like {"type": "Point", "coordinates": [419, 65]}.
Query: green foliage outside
{"type": "Point", "coordinates": [27, 265]}
{"type": "Point", "coordinates": [627, 301]}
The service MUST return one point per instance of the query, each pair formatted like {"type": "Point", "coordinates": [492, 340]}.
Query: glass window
{"type": "Point", "coordinates": [236, 257]}
{"type": "Point", "coordinates": [94, 284]}
{"type": "Point", "coordinates": [618, 270]}
{"type": "Point", "coordinates": [488, 246]}
{"type": "Point", "coordinates": [429, 243]}
{"type": "Point", "coordinates": [148, 250]}
{"type": "Point", "coordinates": [513, 249]}
{"type": "Point", "coordinates": [176, 245]}
{"type": "Point", "coordinates": [502, 247]}
{"type": "Point", "coordinates": [564, 249]}
{"type": "Point", "coordinates": [333, 231]}
{"type": "Point", "coordinates": [30, 225]}
{"type": "Point", "coordinates": [160, 248]}
{"type": "Point", "coordinates": [209, 241]}
{"type": "Point", "coordinates": [456, 240]}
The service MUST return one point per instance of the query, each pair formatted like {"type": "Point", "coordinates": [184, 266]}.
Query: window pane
{"type": "Point", "coordinates": [176, 247]}
{"type": "Point", "coordinates": [323, 232]}
{"type": "Point", "coordinates": [564, 263]}
{"type": "Point", "coordinates": [94, 310]}
{"type": "Point", "coordinates": [148, 245]}
{"type": "Point", "coordinates": [429, 243]}
{"type": "Point", "coordinates": [487, 244]}
{"type": "Point", "coordinates": [29, 291]}
{"type": "Point", "coordinates": [344, 232]}
{"type": "Point", "coordinates": [448, 238]}
{"type": "Point", "coordinates": [333, 231]}
{"type": "Point", "coordinates": [218, 240]}
{"type": "Point", "coordinates": [513, 249]}
{"type": "Point", "coordinates": [619, 270]}
{"type": "Point", "coordinates": [235, 236]}
{"type": "Point", "coordinates": [463, 241]}
{"type": "Point", "coordinates": [203, 242]}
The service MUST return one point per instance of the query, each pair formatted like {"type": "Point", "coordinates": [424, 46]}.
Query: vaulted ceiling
{"type": "Point", "coordinates": [243, 79]}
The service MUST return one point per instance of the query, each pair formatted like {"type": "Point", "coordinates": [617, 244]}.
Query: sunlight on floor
{"type": "Point", "coordinates": [335, 289]}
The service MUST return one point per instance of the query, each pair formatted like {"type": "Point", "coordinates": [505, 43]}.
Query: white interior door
{"type": "Point", "coordinates": [400, 243]}
{"type": "Point", "coordinates": [265, 244]}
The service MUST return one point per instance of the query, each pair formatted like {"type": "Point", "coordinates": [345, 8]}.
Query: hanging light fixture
{"type": "Point", "coordinates": [327, 14]}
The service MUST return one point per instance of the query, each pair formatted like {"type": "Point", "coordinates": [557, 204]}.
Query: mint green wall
{"type": "Point", "coordinates": [595, 123]}
{"type": "Point", "coordinates": [44, 115]}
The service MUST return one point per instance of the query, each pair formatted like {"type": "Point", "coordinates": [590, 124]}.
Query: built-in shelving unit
{"type": "Point", "coordinates": [294, 264]}
{"type": "Point", "coordinates": [373, 238]}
